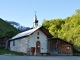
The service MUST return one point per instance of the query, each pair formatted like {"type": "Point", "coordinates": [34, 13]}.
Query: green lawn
{"type": "Point", "coordinates": [3, 52]}
{"type": "Point", "coordinates": [75, 54]}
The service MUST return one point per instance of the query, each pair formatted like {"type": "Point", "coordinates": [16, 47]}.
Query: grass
{"type": "Point", "coordinates": [3, 52]}
{"type": "Point", "coordinates": [76, 54]}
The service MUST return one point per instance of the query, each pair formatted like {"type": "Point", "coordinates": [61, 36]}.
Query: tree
{"type": "Point", "coordinates": [45, 23]}
{"type": "Point", "coordinates": [67, 29]}
{"type": "Point", "coordinates": [78, 11]}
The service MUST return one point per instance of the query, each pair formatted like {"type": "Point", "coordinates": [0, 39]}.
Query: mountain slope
{"type": "Point", "coordinates": [18, 26]}
{"type": "Point", "coordinates": [6, 29]}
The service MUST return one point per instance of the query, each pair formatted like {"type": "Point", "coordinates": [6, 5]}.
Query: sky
{"type": "Point", "coordinates": [23, 11]}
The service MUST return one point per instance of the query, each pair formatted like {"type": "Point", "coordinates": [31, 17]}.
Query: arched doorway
{"type": "Point", "coordinates": [37, 47]}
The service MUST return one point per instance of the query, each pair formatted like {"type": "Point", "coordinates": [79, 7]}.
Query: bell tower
{"type": "Point", "coordinates": [35, 21]}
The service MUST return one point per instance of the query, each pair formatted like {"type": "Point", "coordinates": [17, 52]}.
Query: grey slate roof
{"type": "Point", "coordinates": [26, 33]}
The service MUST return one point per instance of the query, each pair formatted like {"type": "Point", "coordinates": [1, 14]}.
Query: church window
{"type": "Point", "coordinates": [38, 33]}
{"type": "Point", "coordinates": [37, 37]}
{"type": "Point", "coordinates": [13, 42]}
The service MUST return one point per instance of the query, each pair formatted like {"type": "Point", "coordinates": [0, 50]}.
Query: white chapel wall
{"type": "Point", "coordinates": [20, 45]}
{"type": "Point", "coordinates": [42, 39]}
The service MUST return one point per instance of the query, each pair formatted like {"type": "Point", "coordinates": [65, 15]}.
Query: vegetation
{"type": "Point", "coordinates": [67, 29]}
{"type": "Point", "coordinates": [7, 52]}
{"type": "Point", "coordinates": [6, 29]}
{"type": "Point", "coordinates": [76, 54]}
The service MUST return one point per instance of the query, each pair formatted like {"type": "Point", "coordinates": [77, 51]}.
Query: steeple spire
{"type": "Point", "coordinates": [35, 21]}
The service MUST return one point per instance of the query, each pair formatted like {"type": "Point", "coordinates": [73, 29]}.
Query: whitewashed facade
{"type": "Point", "coordinates": [24, 44]}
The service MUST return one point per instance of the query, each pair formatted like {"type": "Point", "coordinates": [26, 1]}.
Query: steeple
{"type": "Point", "coordinates": [35, 21]}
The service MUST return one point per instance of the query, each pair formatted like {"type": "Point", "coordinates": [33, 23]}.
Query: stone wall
{"type": "Point", "coordinates": [20, 45]}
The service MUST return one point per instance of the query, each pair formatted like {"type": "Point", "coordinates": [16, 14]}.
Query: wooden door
{"type": "Point", "coordinates": [37, 47]}
{"type": "Point", "coordinates": [53, 47]}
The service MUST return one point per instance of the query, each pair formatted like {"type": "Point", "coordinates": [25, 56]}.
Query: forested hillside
{"type": "Point", "coordinates": [6, 29]}
{"type": "Point", "coordinates": [67, 29]}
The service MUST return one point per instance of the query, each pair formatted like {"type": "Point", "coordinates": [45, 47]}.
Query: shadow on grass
{"type": "Point", "coordinates": [4, 52]}
{"type": "Point", "coordinates": [76, 54]}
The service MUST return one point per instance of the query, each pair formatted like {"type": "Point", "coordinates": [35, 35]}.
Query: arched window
{"type": "Point", "coordinates": [13, 42]}
{"type": "Point", "coordinates": [38, 33]}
